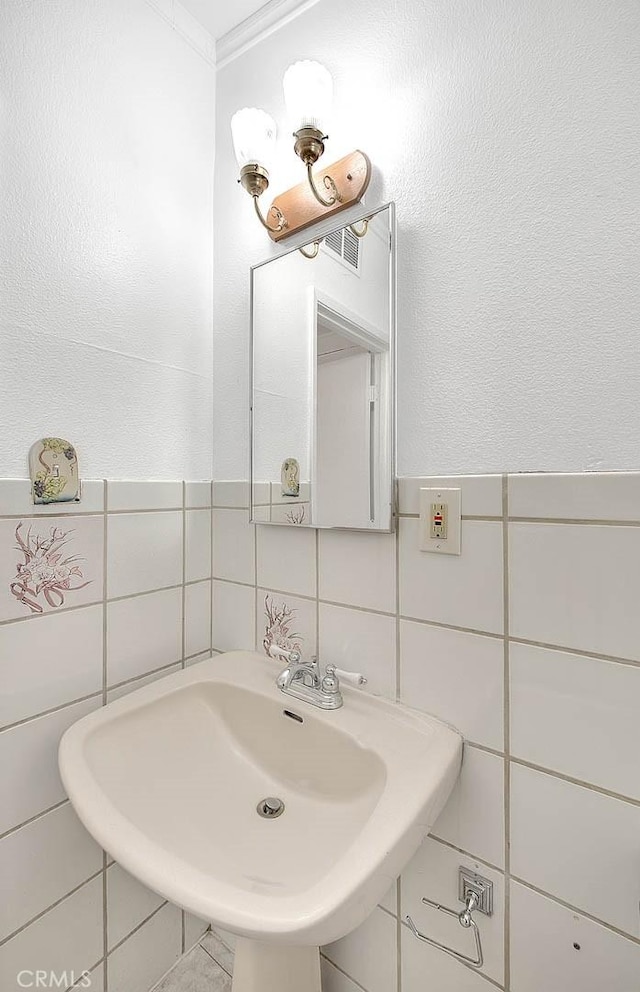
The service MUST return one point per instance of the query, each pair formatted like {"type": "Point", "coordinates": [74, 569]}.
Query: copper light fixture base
{"type": "Point", "coordinates": [351, 176]}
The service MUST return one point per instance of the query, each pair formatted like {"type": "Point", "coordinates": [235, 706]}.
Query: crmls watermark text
{"type": "Point", "coordinates": [52, 979]}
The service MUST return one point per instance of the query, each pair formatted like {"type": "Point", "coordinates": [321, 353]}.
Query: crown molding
{"type": "Point", "coordinates": [184, 24]}
{"type": "Point", "coordinates": [257, 27]}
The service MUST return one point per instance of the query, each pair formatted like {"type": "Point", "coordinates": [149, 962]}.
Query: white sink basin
{"type": "Point", "coordinates": [168, 779]}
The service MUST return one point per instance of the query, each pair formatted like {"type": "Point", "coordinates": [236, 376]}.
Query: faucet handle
{"type": "Point", "coordinates": [281, 654]}
{"type": "Point", "coordinates": [351, 678]}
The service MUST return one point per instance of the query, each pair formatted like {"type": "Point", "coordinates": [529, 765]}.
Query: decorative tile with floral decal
{"type": "Point", "coordinates": [286, 622]}
{"type": "Point", "coordinates": [48, 564]}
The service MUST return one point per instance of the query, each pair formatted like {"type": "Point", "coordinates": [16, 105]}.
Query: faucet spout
{"type": "Point", "coordinates": [305, 681]}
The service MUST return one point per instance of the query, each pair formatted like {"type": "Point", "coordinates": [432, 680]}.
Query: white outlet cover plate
{"type": "Point", "coordinates": [451, 545]}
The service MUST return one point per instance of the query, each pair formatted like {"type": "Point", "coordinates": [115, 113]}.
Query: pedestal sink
{"type": "Point", "coordinates": [271, 818]}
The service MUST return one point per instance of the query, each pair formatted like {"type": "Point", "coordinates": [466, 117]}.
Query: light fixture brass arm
{"type": "Point", "coordinates": [330, 185]}
{"type": "Point", "coordinates": [314, 251]}
{"type": "Point", "coordinates": [281, 220]}
{"type": "Point", "coordinates": [363, 230]}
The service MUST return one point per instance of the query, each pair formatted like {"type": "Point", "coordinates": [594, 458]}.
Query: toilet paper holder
{"type": "Point", "coordinates": [477, 894]}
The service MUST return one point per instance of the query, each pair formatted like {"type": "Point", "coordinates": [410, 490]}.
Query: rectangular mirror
{"type": "Point", "coordinates": [323, 380]}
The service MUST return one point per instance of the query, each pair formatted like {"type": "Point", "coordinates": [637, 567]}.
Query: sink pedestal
{"type": "Point", "coordinates": [263, 967]}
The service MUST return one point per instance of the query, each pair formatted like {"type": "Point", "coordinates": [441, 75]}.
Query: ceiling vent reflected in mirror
{"type": "Point", "coordinates": [346, 245]}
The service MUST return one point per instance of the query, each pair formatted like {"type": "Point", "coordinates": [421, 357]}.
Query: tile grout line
{"type": "Point", "coordinates": [581, 783]}
{"type": "Point", "coordinates": [506, 767]}
{"type": "Point", "coordinates": [576, 521]}
{"type": "Point", "coordinates": [465, 853]}
{"type": "Point", "coordinates": [346, 974]}
{"type": "Point", "coordinates": [43, 912]}
{"type": "Point", "coordinates": [575, 909]}
{"type": "Point", "coordinates": [580, 653]}
{"type": "Point", "coordinates": [96, 694]}
{"type": "Point", "coordinates": [135, 930]}
{"type": "Point", "coordinates": [53, 612]}
{"type": "Point", "coordinates": [32, 819]}
{"type": "Point", "coordinates": [90, 970]}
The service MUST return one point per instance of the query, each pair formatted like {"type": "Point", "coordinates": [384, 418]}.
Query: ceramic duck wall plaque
{"type": "Point", "coordinates": [290, 477]}
{"type": "Point", "coordinates": [53, 467]}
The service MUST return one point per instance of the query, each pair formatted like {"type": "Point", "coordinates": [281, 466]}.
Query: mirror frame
{"type": "Point", "coordinates": [324, 230]}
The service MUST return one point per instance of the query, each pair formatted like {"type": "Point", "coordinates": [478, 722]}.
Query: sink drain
{"type": "Point", "coordinates": [270, 807]}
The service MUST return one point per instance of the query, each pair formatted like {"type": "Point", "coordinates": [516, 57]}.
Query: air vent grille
{"type": "Point", "coordinates": [346, 246]}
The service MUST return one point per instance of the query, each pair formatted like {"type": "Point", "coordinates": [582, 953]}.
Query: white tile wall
{"type": "Point", "coordinates": [286, 559]}
{"type": "Point", "coordinates": [197, 494]}
{"type": "Point", "coordinates": [197, 544]}
{"type": "Point", "coordinates": [545, 957]}
{"type": "Point", "coordinates": [473, 819]}
{"type": "Point", "coordinates": [422, 964]}
{"type": "Point", "coordinates": [141, 961]}
{"type": "Point", "coordinates": [433, 873]}
{"type": "Point", "coordinates": [360, 641]}
{"type": "Point", "coordinates": [143, 633]}
{"type": "Point", "coordinates": [29, 779]}
{"type": "Point", "coordinates": [589, 710]}
{"type": "Point", "coordinates": [50, 660]}
{"type": "Point", "coordinates": [593, 496]}
{"type": "Point", "coordinates": [358, 569]}
{"type": "Point", "coordinates": [126, 687]}
{"type": "Point", "coordinates": [369, 954]}
{"type": "Point", "coordinates": [569, 710]}
{"type": "Point", "coordinates": [334, 980]}
{"type": "Point", "coordinates": [462, 591]}
{"type": "Point", "coordinates": [15, 500]}
{"type": "Point", "coordinates": [67, 548]}
{"type": "Point", "coordinates": [128, 904]}
{"type": "Point", "coordinates": [41, 863]}
{"type": "Point", "coordinates": [480, 495]}
{"type": "Point", "coordinates": [234, 616]}
{"type": "Point", "coordinates": [299, 615]}
{"type": "Point", "coordinates": [457, 677]}
{"type": "Point", "coordinates": [58, 666]}
{"type": "Point", "coordinates": [577, 844]}
{"type": "Point", "coordinates": [143, 495]}
{"type": "Point", "coordinates": [234, 546]}
{"type": "Point", "coordinates": [576, 585]}
{"type": "Point", "coordinates": [144, 551]}
{"type": "Point", "coordinates": [197, 619]}
{"type": "Point", "coordinates": [550, 693]}
{"type": "Point", "coordinates": [67, 938]}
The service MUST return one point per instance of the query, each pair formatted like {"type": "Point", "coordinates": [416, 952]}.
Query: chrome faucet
{"type": "Point", "coordinates": [304, 680]}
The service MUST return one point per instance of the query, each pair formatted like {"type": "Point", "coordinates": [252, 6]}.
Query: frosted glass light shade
{"type": "Point", "coordinates": [254, 137]}
{"type": "Point", "coordinates": [308, 94]}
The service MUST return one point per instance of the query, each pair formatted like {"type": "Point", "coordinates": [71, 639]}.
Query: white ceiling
{"type": "Point", "coordinates": [219, 16]}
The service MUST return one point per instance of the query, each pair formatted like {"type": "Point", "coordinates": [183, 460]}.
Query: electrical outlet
{"type": "Point", "coordinates": [440, 521]}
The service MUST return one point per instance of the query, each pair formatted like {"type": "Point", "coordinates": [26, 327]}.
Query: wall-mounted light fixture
{"type": "Point", "coordinates": [308, 90]}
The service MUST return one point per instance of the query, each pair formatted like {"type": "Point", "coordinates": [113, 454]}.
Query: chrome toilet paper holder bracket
{"type": "Point", "coordinates": [476, 893]}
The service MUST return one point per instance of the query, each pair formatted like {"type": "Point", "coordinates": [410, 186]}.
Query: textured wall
{"type": "Point", "coordinates": [507, 134]}
{"type": "Point", "coordinates": [106, 172]}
